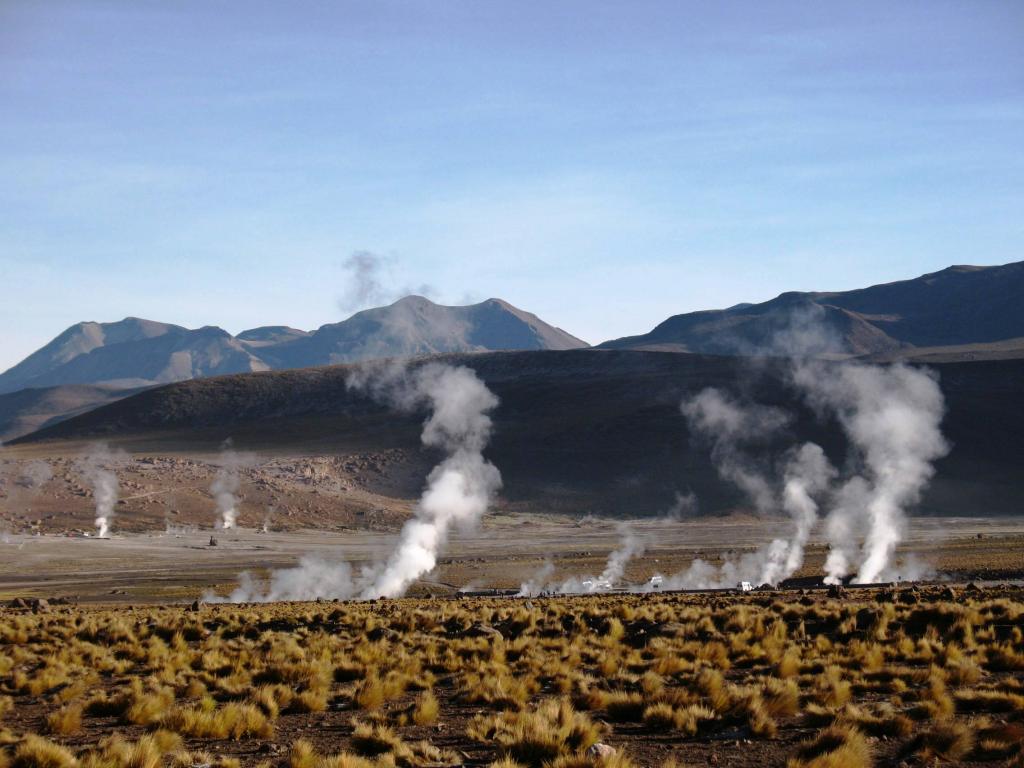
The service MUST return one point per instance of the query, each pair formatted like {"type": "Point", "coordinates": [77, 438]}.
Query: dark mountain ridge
{"type": "Point", "coordinates": [578, 431]}
{"type": "Point", "coordinates": [960, 305]}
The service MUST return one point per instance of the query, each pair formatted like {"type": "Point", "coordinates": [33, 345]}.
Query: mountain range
{"type": "Point", "coordinates": [134, 352]}
{"type": "Point", "coordinates": [961, 313]}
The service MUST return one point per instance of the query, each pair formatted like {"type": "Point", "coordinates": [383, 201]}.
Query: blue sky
{"type": "Point", "coordinates": [604, 165]}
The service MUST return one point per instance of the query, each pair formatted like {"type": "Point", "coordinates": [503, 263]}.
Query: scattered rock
{"type": "Point", "coordinates": [483, 630]}
{"type": "Point", "coordinates": [600, 751]}
{"type": "Point", "coordinates": [40, 605]}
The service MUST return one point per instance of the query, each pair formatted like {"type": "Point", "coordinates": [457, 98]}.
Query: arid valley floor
{"type": "Point", "coordinates": [506, 550]}
{"type": "Point", "coordinates": [125, 673]}
{"type": "Point", "coordinates": [118, 667]}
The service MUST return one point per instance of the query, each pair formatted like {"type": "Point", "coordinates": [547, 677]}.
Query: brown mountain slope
{"type": "Point", "coordinates": [28, 410]}
{"type": "Point", "coordinates": [576, 430]}
{"type": "Point", "coordinates": [960, 306]}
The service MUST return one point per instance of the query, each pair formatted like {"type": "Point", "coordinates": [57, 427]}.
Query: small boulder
{"type": "Point", "coordinates": [600, 751]}
{"type": "Point", "coordinates": [483, 630]}
{"type": "Point", "coordinates": [40, 605]}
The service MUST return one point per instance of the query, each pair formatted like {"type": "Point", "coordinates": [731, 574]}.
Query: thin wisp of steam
{"type": "Point", "coordinates": [631, 546]}
{"type": "Point", "coordinates": [539, 581]}
{"type": "Point", "coordinates": [223, 488]}
{"type": "Point", "coordinates": [735, 429]}
{"type": "Point", "coordinates": [738, 432]}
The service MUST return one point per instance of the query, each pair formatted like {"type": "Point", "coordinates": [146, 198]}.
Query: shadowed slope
{"type": "Point", "coordinates": [577, 430]}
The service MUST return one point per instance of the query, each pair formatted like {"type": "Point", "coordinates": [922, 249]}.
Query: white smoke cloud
{"type": "Point", "coordinates": [808, 474]}
{"type": "Point", "coordinates": [735, 429]}
{"type": "Point", "coordinates": [461, 487]}
{"type": "Point", "coordinates": [97, 466]}
{"type": "Point", "coordinates": [739, 433]}
{"type": "Point", "coordinates": [892, 416]}
{"type": "Point", "coordinates": [458, 491]}
{"type": "Point", "coordinates": [631, 546]}
{"type": "Point", "coordinates": [539, 581]}
{"type": "Point", "coordinates": [35, 474]}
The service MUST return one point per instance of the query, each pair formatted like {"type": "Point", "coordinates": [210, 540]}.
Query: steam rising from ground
{"type": "Point", "coordinates": [460, 487]}
{"type": "Point", "coordinates": [97, 468]}
{"type": "Point", "coordinates": [891, 416]}
{"type": "Point", "coordinates": [458, 490]}
{"type": "Point", "coordinates": [225, 485]}
{"type": "Point", "coordinates": [631, 546]}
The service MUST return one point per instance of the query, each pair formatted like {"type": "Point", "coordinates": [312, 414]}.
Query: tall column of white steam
{"type": "Point", "coordinates": [460, 488]}
{"type": "Point", "coordinates": [105, 487]}
{"type": "Point", "coordinates": [631, 546]}
{"type": "Point", "coordinates": [223, 488]}
{"type": "Point", "coordinates": [808, 474]}
{"type": "Point", "coordinates": [735, 430]}
{"type": "Point", "coordinates": [892, 416]}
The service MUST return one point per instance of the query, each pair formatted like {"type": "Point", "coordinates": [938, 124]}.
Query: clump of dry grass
{"type": "Point", "coordinates": [1003, 741]}
{"type": "Point", "coordinates": [147, 752]}
{"type": "Point", "coordinates": [234, 721]}
{"type": "Point", "coordinates": [65, 721]}
{"type": "Point", "coordinates": [536, 737]}
{"type": "Point", "coordinates": [948, 739]}
{"type": "Point", "coordinates": [499, 690]}
{"type": "Point", "coordinates": [834, 747]}
{"type": "Point", "coordinates": [372, 740]}
{"type": "Point", "coordinates": [426, 709]}
{"type": "Point", "coordinates": [37, 752]}
{"type": "Point", "coordinates": [832, 689]}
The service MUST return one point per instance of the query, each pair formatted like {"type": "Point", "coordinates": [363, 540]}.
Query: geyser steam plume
{"type": "Point", "coordinates": [458, 490]}
{"type": "Point", "coordinates": [96, 469]}
{"type": "Point", "coordinates": [740, 435]}
{"type": "Point", "coordinates": [460, 487]}
{"type": "Point", "coordinates": [892, 417]}
{"type": "Point", "coordinates": [224, 487]}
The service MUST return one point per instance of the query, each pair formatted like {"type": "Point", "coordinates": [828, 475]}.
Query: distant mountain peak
{"type": "Point", "coordinates": [144, 352]}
